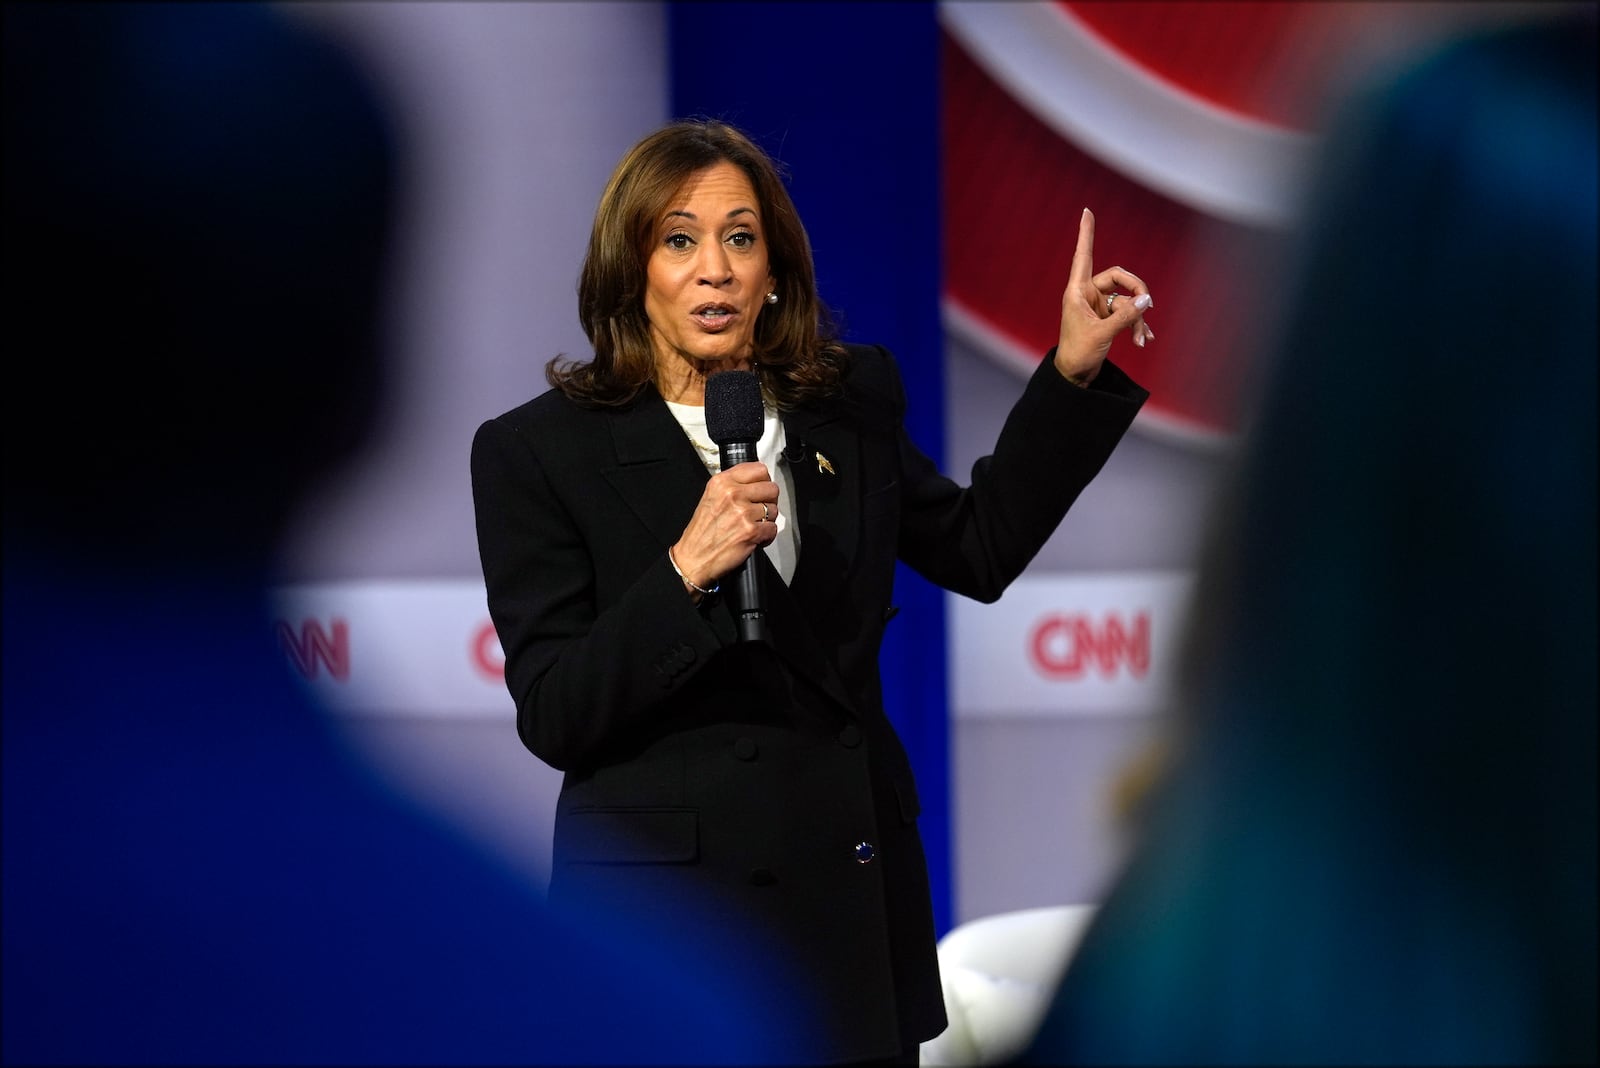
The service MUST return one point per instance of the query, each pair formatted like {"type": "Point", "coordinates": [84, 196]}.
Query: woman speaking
{"type": "Point", "coordinates": [739, 785]}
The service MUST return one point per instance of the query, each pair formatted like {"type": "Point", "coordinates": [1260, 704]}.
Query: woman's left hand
{"type": "Point", "coordinates": [1096, 308]}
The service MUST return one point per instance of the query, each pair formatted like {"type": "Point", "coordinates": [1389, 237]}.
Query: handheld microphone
{"type": "Point", "coordinates": [733, 419]}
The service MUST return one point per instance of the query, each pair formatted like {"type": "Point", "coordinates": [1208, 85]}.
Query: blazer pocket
{"type": "Point", "coordinates": [631, 836]}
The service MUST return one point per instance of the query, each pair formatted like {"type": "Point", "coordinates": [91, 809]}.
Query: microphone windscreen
{"type": "Point", "coordinates": [733, 407]}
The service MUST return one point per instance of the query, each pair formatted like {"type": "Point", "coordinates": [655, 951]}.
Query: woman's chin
{"type": "Point", "coordinates": [720, 357]}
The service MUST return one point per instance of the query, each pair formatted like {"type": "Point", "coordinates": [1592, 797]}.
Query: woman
{"type": "Point", "coordinates": [752, 796]}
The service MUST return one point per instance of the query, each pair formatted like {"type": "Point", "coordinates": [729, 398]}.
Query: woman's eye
{"type": "Point", "coordinates": [679, 241]}
{"type": "Point", "coordinates": [743, 239]}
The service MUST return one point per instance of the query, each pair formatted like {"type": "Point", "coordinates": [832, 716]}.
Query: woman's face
{"type": "Point", "coordinates": [707, 276]}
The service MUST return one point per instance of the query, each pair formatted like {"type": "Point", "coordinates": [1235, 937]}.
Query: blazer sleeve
{"type": "Point", "coordinates": [592, 650]}
{"type": "Point", "coordinates": [975, 540]}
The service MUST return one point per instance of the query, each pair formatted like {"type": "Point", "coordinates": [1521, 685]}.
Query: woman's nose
{"type": "Point", "coordinates": [715, 266]}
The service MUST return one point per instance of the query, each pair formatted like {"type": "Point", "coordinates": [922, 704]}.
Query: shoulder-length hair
{"type": "Point", "coordinates": [795, 351]}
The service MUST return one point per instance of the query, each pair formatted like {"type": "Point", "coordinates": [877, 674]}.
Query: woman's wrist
{"type": "Point", "coordinates": [694, 589]}
{"type": "Point", "coordinates": [1078, 376]}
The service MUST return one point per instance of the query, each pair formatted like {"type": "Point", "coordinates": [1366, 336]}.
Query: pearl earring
{"type": "Point", "coordinates": [772, 298]}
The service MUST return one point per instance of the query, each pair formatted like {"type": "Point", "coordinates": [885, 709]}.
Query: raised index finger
{"type": "Point", "coordinates": [1083, 256]}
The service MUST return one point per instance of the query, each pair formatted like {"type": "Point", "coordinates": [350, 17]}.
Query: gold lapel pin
{"type": "Point", "coordinates": [823, 464]}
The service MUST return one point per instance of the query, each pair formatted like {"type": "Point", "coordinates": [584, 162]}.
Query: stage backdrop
{"type": "Point", "coordinates": [940, 155]}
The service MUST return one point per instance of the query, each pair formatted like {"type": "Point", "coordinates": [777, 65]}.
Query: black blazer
{"type": "Point", "coordinates": [755, 795]}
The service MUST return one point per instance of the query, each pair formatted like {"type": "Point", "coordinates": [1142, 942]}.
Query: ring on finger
{"type": "Point", "coordinates": [766, 513]}
{"type": "Point", "coordinates": [1111, 297]}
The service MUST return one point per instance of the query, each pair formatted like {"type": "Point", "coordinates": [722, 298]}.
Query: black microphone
{"type": "Point", "coordinates": [733, 419]}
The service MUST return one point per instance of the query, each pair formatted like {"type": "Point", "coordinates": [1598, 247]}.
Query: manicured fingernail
{"type": "Point", "coordinates": [1143, 301]}
{"type": "Point", "coordinates": [1138, 339]}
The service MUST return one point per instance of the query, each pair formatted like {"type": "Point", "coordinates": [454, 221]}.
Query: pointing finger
{"type": "Point", "coordinates": [1083, 257]}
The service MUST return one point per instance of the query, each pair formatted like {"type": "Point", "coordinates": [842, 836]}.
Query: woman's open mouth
{"type": "Point", "coordinates": [714, 316]}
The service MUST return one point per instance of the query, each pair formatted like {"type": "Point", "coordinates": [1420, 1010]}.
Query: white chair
{"type": "Point", "coordinates": [999, 974]}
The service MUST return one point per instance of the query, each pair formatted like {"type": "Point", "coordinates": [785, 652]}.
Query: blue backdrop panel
{"type": "Point", "coordinates": [846, 95]}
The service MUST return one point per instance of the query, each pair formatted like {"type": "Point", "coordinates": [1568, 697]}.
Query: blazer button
{"type": "Point", "coordinates": [850, 737]}
{"type": "Point", "coordinates": [745, 749]}
{"type": "Point", "coordinates": [762, 877]}
{"type": "Point", "coordinates": [865, 852]}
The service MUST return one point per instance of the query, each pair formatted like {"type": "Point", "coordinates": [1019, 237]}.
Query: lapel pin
{"type": "Point", "coordinates": [823, 464]}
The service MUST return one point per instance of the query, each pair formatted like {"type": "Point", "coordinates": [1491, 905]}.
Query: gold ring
{"type": "Point", "coordinates": [1109, 299]}
{"type": "Point", "coordinates": [765, 514]}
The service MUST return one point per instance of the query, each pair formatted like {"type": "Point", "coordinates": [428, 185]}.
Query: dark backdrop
{"type": "Point", "coordinates": [846, 96]}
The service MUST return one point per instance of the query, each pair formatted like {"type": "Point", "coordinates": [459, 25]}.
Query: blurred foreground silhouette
{"type": "Point", "coordinates": [1373, 836]}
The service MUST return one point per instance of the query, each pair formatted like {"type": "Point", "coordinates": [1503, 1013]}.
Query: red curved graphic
{"type": "Point", "coordinates": [1014, 191]}
{"type": "Point", "coordinates": [1015, 183]}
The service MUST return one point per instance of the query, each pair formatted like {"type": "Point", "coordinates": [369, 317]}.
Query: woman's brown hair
{"type": "Point", "coordinates": [795, 352]}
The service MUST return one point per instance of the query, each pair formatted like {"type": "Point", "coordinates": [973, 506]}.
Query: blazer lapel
{"type": "Point", "coordinates": [821, 455]}
{"type": "Point", "coordinates": [823, 461]}
{"type": "Point", "coordinates": [656, 470]}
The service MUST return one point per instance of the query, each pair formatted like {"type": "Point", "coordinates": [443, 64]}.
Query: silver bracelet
{"type": "Point", "coordinates": [687, 581]}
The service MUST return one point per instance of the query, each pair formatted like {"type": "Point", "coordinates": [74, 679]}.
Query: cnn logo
{"type": "Point", "coordinates": [1068, 645]}
{"type": "Point", "coordinates": [314, 646]}
{"type": "Point", "coordinates": [314, 649]}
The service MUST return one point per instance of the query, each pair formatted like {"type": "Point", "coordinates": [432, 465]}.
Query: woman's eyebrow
{"type": "Point", "coordinates": [691, 215]}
